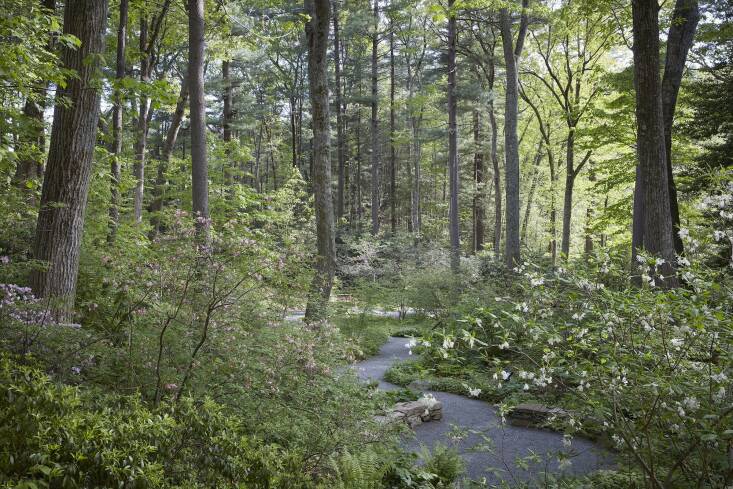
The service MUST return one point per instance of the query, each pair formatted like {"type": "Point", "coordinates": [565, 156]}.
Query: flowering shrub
{"type": "Point", "coordinates": [650, 369]}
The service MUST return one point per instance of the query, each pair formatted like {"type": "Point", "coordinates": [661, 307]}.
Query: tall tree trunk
{"type": "Point", "coordinates": [227, 119]}
{"type": "Point", "coordinates": [685, 18]}
{"type": "Point", "coordinates": [340, 152]}
{"type": "Point", "coordinates": [156, 206]}
{"type": "Point", "coordinates": [478, 197]}
{"type": "Point", "coordinates": [392, 155]}
{"type": "Point", "coordinates": [199, 163]}
{"type": "Point", "coordinates": [142, 125]}
{"type": "Point", "coordinates": [293, 132]}
{"type": "Point", "coordinates": [317, 35]}
{"type": "Point", "coordinates": [650, 139]}
{"type": "Point", "coordinates": [553, 207]}
{"type": "Point", "coordinates": [117, 110]}
{"type": "Point", "coordinates": [415, 214]}
{"type": "Point", "coordinates": [496, 176]}
{"type": "Point", "coordinates": [375, 124]}
{"type": "Point", "coordinates": [567, 212]}
{"type": "Point", "coordinates": [588, 249]}
{"type": "Point", "coordinates": [512, 52]}
{"type": "Point", "coordinates": [453, 222]}
{"type": "Point", "coordinates": [68, 171]}
{"type": "Point", "coordinates": [359, 197]}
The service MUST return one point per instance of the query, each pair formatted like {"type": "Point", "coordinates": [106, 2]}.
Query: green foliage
{"type": "Point", "coordinates": [445, 463]}
{"type": "Point", "coordinates": [63, 436]}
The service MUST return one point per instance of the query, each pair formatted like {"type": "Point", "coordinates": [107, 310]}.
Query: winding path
{"type": "Point", "coordinates": [509, 442]}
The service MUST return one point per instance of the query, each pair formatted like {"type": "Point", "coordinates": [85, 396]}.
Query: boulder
{"type": "Point", "coordinates": [413, 413]}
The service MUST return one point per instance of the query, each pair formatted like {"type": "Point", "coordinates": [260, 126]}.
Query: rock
{"type": "Point", "coordinates": [413, 413]}
{"type": "Point", "coordinates": [533, 414]}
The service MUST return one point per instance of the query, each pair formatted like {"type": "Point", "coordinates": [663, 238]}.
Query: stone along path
{"type": "Point", "coordinates": [508, 442]}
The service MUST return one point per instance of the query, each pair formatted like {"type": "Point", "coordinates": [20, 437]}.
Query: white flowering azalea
{"type": "Point", "coordinates": [474, 392]}
{"type": "Point", "coordinates": [691, 403]}
{"type": "Point", "coordinates": [429, 400]}
{"type": "Point", "coordinates": [721, 377]}
{"type": "Point", "coordinates": [504, 346]}
{"type": "Point", "coordinates": [683, 233]}
{"type": "Point", "coordinates": [448, 343]}
{"type": "Point", "coordinates": [505, 375]}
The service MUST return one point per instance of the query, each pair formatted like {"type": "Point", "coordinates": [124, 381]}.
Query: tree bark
{"type": "Point", "coordinates": [392, 155]}
{"type": "Point", "coordinates": [117, 110]}
{"type": "Point", "coordinates": [317, 35]}
{"type": "Point", "coordinates": [478, 197]}
{"type": "Point", "coordinates": [227, 115]}
{"type": "Point", "coordinates": [142, 126]}
{"type": "Point", "coordinates": [512, 52]}
{"type": "Point", "coordinates": [199, 163]}
{"type": "Point", "coordinates": [340, 151]}
{"type": "Point", "coordinates": [375, 124]}
{"type": "Point", "coordinates": [685, 18]}
{"type": "Point", "coordinates": [650, 139]}
{"type": "Point", "coordinates": [453, 222]}
{"type": "Point", "coordinates": [588, 249]}
{"type": "Point", "coordinates": [68, 171]}
{"type": "Point", "coordinates": [496, 176]}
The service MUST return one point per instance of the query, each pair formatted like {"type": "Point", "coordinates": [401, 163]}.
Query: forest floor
{"type": "Point", "coordinates": [490, 448]}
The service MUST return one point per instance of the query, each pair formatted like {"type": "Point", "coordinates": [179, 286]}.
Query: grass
{"type": "Point", "coordinates": [371, 332]}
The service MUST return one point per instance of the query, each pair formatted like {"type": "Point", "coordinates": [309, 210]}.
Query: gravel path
{"type": "Point", "coordinates": [509, 442]}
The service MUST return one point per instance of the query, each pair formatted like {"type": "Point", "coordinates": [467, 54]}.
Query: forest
{"type": "Point", "coordinates": [365, 244]}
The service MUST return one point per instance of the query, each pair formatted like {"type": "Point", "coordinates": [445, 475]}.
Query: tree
{"type": "Point", "coordinates": [650, 140]}
{"type": "Point", "coordinates": [453, 222]}
{"type": "Point", "coordinates": [156, 206]}
{"type": "Point", "coordinates": [68, 169]}
{"type": "Point", "coordinates": [117, 110]}
{"type": "Point", "coordinates": [392, 149]}
{"type": "Point", "coordinates": [685, 18]}
{"type": "Point", "coordinates": [571, 50]}
{"type": "Point", "coordinates": [33, 142]}
{"type": "Point", "coordinates": [340, 144]}
{"type": "Point", "coordinates": [199, 163]}
{"type": "Point", "coordinates": [149, 36]}
{"type": "Point", "coordinates": [512, 51]}
{"type": "Point", "coordinates": [317, 26]}
{"type": "Point", "coordinates": [375, 124]}
{"type": "Point", "coordinates": [414, 55]}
